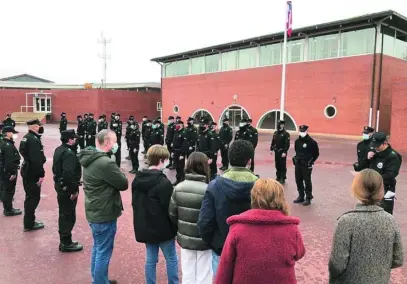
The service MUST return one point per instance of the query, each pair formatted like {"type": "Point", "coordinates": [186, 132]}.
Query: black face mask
{"type": "Point", "coordinates": [41, 130]}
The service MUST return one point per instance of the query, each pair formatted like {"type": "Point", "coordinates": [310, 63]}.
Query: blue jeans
{"type": "Point", "coordinates": [171, 259]}
{"type": "Point", "coordinates": [215, 263]}
{"type": "Point", "coordinates": [103, 241]}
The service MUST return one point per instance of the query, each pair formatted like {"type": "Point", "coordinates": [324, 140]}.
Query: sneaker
{"type": "Point", "coordinates": [12, 212]}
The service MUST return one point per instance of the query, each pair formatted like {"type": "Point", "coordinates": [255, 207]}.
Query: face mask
{"type": "Point", "coordinates": [115, 148]}
{"type": "Point", "coordinates": [41, 130]}
{"type": "Point", "coordinates": [190, 122]}
{"type": "Point", "coordinates": [281, 127]}
{"type": "Point", "coordinates": [242, 124]}
{"type": "Point", "coordinates": [366, 136]}
{"type": "Point", "coordinates": [14, 137]}
{"type": "Point", "coordinates": [303, 134]}
{"type": "Point", "coordinates": [148, 124]}
{"type": "Point", "coordinates": [170, 121]}
{"type": "Point", "coordinates": [117, 117]}
{"type": "Point", "coordinates": [144, 119]}
{"type": "Point", "coordinates": [178, 127]}
{"type": "Point", "coordinates": [133, 127]}
{"type": "Point", "coordinates": [100, 120]}
{"type": "Point", "coordinates": [154, 126]}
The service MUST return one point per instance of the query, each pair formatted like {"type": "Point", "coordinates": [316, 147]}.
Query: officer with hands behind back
{"type": "Point", "coordinates": [67, 175]}
{"type": "Point", "coordinates": [280, 145]}
{"type": "Point", "coordinates": [225, 138]}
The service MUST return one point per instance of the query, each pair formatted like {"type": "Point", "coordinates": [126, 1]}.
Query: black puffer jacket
{"type": "Point", "coordinates": [184, 209]}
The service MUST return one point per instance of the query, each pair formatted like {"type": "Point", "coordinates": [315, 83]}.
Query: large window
{"type": "Point", "coordinates": [212, 63]}
{"type": "Point", "coordinates": [295, 51]}
{"type": "Point", "coordinates": [270, 54]}
{"type": "Point", "coordinates": [400, 46]}
{"type": "Point", "coordinates": [198, 65]}
{"type": "Point", "coordinates": [177, 68]}
{"type": "Point", "coordinates": [357, 42]}
{"type": "Point", "coordinates": [229, 60]}
{"type": "Point", "coordinates": [323, 47]}
{"type": "Point", "coordinates": [248, 57]}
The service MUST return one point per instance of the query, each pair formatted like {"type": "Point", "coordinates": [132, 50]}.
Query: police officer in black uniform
{"type": "Point", "coordinates": [255, 140]}
{"type": "Point", "coordinates": [161, 125]}
{"type": "Point", "coordinates": [363, 148]}
{"type": "Point", "coordinates": [177, 119]}
{"type": "Point", "coordinates": [116, 126]}
{"type": "Point", "coordinates": [9, 121]}
{"type": "Point", "coordinates": [143, 130]}
{"type": "Point", "coordinates": [169, 138]}
{"type": "Point", "coordinates": [215, 146]}
{"type": "Point", "coordinates": [67, 175]}
{"type": "Point", "coordinates": [10, 158]}
{"type": "Point", "coordinates": [128, 129]}
{"type": "Point", "coordinates": [306, 153]}
{"type": "Point", "coordinates": [206, 145]}
{"type": "Point", "coordinates": [180, 149]}
{"type": "Point", "coordinates": [147, 137]}
{"type": "Point", "coordinates": [133, 139]}
{"type": "Point", "coordinates": [387, 162]}
{"type": "Point", "coordinates": [91, 131]}
{"type": "Point", "coordinates": [63, 123]}
{"type": "Point", "coordinates": [1, 164]}
{"type": "Point", "coordinates": [81, 130]}
{"type": "Point", "coordinates": [280, 145]}
{"type": "Point", "coordinates": [32, 171]}
{"type": "Point", "coordinates": [245, 133]}
{"type": "Point", "coordinates": [225, 138]}
{"type": "Point", "coordinates": [192, 134]}
{"type": "Point", "coordinates": [102, 123]}
{"type": "Point", "coordinates": [157, 133]}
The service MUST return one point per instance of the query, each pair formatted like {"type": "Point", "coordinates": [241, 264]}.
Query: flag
{"type": "Point", "coordinates": [289, 24]}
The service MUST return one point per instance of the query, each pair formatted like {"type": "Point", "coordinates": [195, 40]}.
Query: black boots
{"type": "Point", "coordinates": [37, 226]}
{"type": "Point", "coordinates": [12, 212]}
{"type": "Point", "coordinates": [73, 247]}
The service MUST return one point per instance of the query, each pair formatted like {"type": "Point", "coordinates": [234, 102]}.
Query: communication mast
{"type": "Point", "coordinates": [104, 56]}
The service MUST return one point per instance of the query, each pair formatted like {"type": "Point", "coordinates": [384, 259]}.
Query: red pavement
{"type": "Point", "coordinates": [34, 258]}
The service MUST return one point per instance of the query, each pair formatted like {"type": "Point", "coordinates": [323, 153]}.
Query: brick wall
{"type": "Point", "coordinates": [398, 138]}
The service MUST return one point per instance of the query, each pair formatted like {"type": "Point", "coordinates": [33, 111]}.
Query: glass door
{"type": "Point", "coordinates": [42, 105]}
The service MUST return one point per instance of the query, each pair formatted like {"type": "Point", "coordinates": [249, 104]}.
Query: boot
{"type": "Point", "coordinates": [113, 282]}
{"type": "Point", "coordinates": [70, 248]}
{"type": "Point", "coordinates": [299, 200]}
{"type": "Point", "coordinates": [12, 212]}
{"type": "Point", "coordinates": [282, 181]}
{"type": "Point", "coordinates": [307, 202]}
{"type": "Point", "coordinates": [37, 226]}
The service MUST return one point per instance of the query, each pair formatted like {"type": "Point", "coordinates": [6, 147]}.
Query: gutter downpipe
{"type": "Point", "coordinates": [380, 85]}
{"type": "Point", "coordinates": [373, 78]}
{"type": "Point", "coordinates": [161, 88]}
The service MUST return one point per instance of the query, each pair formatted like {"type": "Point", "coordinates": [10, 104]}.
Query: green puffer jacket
{"type": "Point", "coordinates": [184, 209]}
{"type": "Point", "coordinates": [102, 183]}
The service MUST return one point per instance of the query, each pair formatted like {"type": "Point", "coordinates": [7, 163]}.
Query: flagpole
{"type": "Point", "coordinates": [282, 98]}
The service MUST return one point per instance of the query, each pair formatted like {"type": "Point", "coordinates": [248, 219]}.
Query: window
{"type": "Point", "coordinates": [229, 60]}
{"type": "Point", "coordinates": [400, 47]}
{"type": "Point", "coordinates": [295, 51]}
{"type": "Point", "coordinates": [270, 120]}
{"type": "Point", "coordinates": [330, 111]}
{"type": "Point", "coordinates": [212, 63]}
{"type": "Point", "coordinates": [270, 54]}
{"type": "Point", "coordinates": [198, 65]}
{"type": "Point", "coordinates": [357, 42]}
{"type": "Point", "coordinates": [175, 109]}
{"type": "Point", "coordinates": [182, 67]}
{"type": "Point", "coordinates": [323, 47]}
{"type": "Point", "coordinates": [248, 58]}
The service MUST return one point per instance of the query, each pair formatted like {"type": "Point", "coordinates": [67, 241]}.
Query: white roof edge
{"type": "Point", "coordinates": [40, 85]}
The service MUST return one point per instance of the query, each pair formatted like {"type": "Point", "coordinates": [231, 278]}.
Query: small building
{"type": "Point", "coordinates": [339, 77]}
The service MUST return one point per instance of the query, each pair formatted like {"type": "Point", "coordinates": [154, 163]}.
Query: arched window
{"type": "Point", "coordinates": [235, 113]}
{"type": "Point", "coordinates": [202, 113]}
{"type": "Point", "coordinates": [269, 121]}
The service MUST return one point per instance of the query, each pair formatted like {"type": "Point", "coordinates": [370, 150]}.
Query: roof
{"type": "Point", "coordinates": [22, 78]}
{"type": "Point", "coordinates": [52, 86]}
{"type": "Point", "coordinates": [392, 18]}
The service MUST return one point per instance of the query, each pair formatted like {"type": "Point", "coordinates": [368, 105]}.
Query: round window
{"type": "Point", "coordinates": [330, 111]}
{"type": "Point", "coordinates": [175, 109]}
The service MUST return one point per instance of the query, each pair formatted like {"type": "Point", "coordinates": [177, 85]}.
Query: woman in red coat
{"type": "Point", "coordinates": [263, 243]}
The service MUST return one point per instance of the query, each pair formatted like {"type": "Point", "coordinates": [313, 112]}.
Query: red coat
{"type": "Point", "coordinates": [261, 248]}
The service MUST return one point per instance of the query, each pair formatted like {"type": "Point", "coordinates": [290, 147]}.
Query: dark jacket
{"type": "Point", "coordinates": [151, 191]}
{"type": "Point", "coordinates": [66, 168]}
{"type": "Point", "coordinates": [32, 150]}
{"type": "Point", "coordinates": [225, 135]}
{"type": "Point", "coordinates": [184, 209]}
{"type": "Point", "coordinates": [280, 142]}
{"type": "Point", "coordinates": [102, 183]}
{"type": "Point", "coordinates": [226, 196]}
{"type": "Point", "coordinates": [170, 133]}
{"type": "Point", "coordinates": [362, 149]}
{"type": "Point", "coordinates": [306, 151]}
{"type": "Point", "coordinates": [9, 158]}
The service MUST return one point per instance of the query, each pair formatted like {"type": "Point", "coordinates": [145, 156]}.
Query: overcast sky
{"type": "Point", "coordinates": [57, 40]}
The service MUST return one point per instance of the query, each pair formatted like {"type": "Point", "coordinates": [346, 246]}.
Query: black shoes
{"type": "Point", "coordinates": [128, 158]}
{"type": "Point", "coordinates": [299, 200]}
{"type": "Point", "coordinates": [37, 226]}
{"type": "Point", "coordinates": [12, 212]}
{"type": "Point", "coordinates": [73, 247]}
{"type": "Point", "coordinates": [113, 282]}
{"type": "Point", "coordinates": [133, 171]}
{"type": "Point", "coordinates": [307, 202]}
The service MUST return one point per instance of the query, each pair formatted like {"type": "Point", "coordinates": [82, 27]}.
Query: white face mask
{"type": "Point", "coordinates": [303, 134]}
{"type": "Point", "coordinates": [115, 148]}
{"type": "Point", "coordinates": [144, 119]}
{"type": "Point", "coordinates": [242, 124]}
{"type": "Point", "coordinates": [366, 136]}
{"type": "Point", "coordinates": [15, 136]}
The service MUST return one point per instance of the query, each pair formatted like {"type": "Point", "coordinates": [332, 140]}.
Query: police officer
{"type": "Point", "coordinates": [143, 130]}
{"type": "Point", "coordinates": [147, 137]}
{"type": "Point", "coordinates": [130, 121]}
{"type": "Point", "coordinates": [280, 145]}
{"type": "Point", "coordinates": [81, 130]}
{"type": "Point", "coordinates": [255, 140]}
{"type": "Point", "coordinates": [116, 126]}
{"type": "Point", "coordinates": [8, 121]}
{"type": "Point", "coordinates": [169, 138]}
{"type": "Point", "coordinates": [363, 148]}
{"type": "Point", "coordinates": [387, 162]}
{"type": "Point", "coordinates": [225, 137]}
{"type": "Point", "coordinates": [1, 164]}
{"type": "Point", "coordinates": [32, 171]}
{"type": "Point", "coordinates": [306, 153]}
{"type": "Point", "coordinates": [177, 119]}
{"type": "Point", "coordinates": [161, 125]}
{"type": "Point", "coordinates": [245, 133]}
{"type": "Point", "coordinates": [157, 133]}
{"type": "Point", "coordinates": [215, 146]}
{"type": "Point", "coordinates": [67, 175]}
{"type": "Point", "coordinates": [10, 158]}
{"type": "Point", "coordinates": [133, 139]}
{"type": "Point", "coordinates": [192, 134]}
{"type": "Point", "coordinates": [91, 131]}
{"type": "Point", "coordinates": [63, 123]}
{"type": "Point", "coordinates": [180, 149]}
{"type": "Point", "coordinates": [102, 123]}
{"type": "Point", "coordinates": [206, 145]}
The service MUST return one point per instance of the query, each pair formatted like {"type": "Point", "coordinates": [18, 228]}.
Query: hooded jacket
{"type": "Point", "coordinates": [226, 196]}
{"type": "Point", "coordinates": [151, 195]}
{"type": "Point", "coordinates": [102, 181]}
{"type": "Point", "coordinates": [262, 248]}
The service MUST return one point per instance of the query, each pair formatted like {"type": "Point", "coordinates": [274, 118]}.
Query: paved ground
{"type": "Point", "coordinates": [34, 257]}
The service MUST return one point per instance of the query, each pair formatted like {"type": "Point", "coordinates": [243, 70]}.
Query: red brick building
{"type": "Point", "coordinates": [26, 95]}
{"type": "Point", "coordinates": [340, 76]}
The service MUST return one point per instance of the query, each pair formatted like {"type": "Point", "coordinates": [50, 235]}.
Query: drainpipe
{"type": "Point", "coordinates": [373, 77]}
{"type": "Point", "coordinates": [161, 88]}
{"type": "Point", "coordinates": [380, 85]}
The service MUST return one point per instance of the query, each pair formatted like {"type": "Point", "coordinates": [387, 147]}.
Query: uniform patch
{"type": "Point", "coordinates": [304, 145]}
{"type": "Point", "coordinates": [24, 140]}
{"type": "Point", "coordinates": [380, 165]}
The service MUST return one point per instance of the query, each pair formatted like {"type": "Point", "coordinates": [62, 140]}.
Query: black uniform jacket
{"type": "Point", "coordinates": [362, 149]}
{"type": "Point", "coordinates": [63, 124]}
{"type": "Point", "coordinates": [225, 135]}
{"type": "Point", "coordinates": [281, 141]}
{"type": "Point", "coordinates": [157, 136]}
{"type": "Point", "coordinates": [306, 150]}
{"type": "Point", "coordinates": [32, 150]}
{"type": "Point", "coordinates": [10, 157]}
{"type": "Point", "coordinates": [133, 138]}
{"type": "Point", "coordinates": [180, 143]}
{"type": "Point", "coordinates": [244, 133]}
{"type": "Point", "coordinates": [66, 168]}
{"type": "Point", "coordinates": [169, 137]}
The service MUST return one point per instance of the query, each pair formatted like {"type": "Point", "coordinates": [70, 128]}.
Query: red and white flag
{"type": "Point", "coordinates": [289, 23]}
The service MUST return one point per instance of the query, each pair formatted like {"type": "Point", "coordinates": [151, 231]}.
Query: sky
{"type": "Point", "coordinates": [58, 40]}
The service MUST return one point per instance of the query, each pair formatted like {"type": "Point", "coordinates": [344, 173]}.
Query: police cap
{"type": "Point", "coordinates": [178, 117]}
{"type": "Point", "coordinates": [368, 130]}
{"type": "Point", "coordinates": [225, 119]}
{"type": "Point", "coordinates": [170, 117]}
{"type": "Point", "coordinates": [79, 116]}
{"type": "Point", "coordinates": [1, 126]}
{"type": "Point", "coordinates": [205, 121]}
{"type": "Point", "coordinates": [158, 118]}
{"type": "Point", "coordinates": [90, 114]}
{"type": "Point", "coordinates": [118, 114]}
{"type": "Point", "coordinates": [131, 116]}
{"type": "Point", "coordinates": [213, 123]}
{"type": "Point", "coordinates": [86, 114]}
{"type": "Point", "coordinates": [8, 129]}
{"type": "Point", "coordinates": [281, 122]}
{"type": "Point", "coordinates": [303, 128]}
{"type": "Point", "coordinates": [101, 116]}
{"type": "Point", "coordinates": [180, 122]}
{"type": "Point", "coordinates": [34, 122]}
{"type": "Point", "coordinates": [243, 120]}
{"type": "Point", "coordinates": [191, 119]}
{"type": "Point", "coordinates": [69, 134]}
{"type": "Point", "coordinates": [249, 120]}
{"type": "Point", "coordinates": [378, 139]}
{"type": "Point", "coordinates": [63, 113]}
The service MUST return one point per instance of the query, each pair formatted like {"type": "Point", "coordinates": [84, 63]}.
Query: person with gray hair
{"type": "Point", "coordinates": [103, 181]}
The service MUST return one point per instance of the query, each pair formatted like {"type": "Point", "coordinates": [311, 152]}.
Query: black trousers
{"type": "Point", "coordinates": [1, 185]}
{"type": "Point", "coordinates": [281, 165]}
{"type": "Point", "coordinates": [67, 215]}
{"type": "Point", "coordinates": [169, 148]}
{"type": "Point", "coordinates": [387, 205]}
{"type": "Point", "coordinates": [81, 142]}
{"type": "Point", "coordinates": [32, 199]}
{"type": "Point", "coordinates": [213, 166]}
{"type": "Point", "coordinates": [134, 158]}
{"type": "Point", "coordinates": [225, 156]}
{"type": "Point", "coordinates": [9, 189]}
{"type": "Point", "coordinates": [191, 151]}
{"type": "Point", "coordinates": [179, 166]}
{"type": "Point", "coordinates": [90, 141]}
{"type": "Point", "coordinates": [252, 161]}
{"type": "Point", "coordinates": [118, 155]}
{"type": "Point", "coordinates": [303, 176]}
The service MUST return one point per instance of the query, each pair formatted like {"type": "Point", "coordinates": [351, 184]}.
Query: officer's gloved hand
{"type": "Point", "coordinates": [356, 166]}
{"type": "Point", "coordinates": [294, 160]}
{"type": "Point", "coordinates": [310, 165]}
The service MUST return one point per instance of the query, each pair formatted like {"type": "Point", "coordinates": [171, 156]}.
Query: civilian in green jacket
{"type": "Point", "coordinates": [103, 182]}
